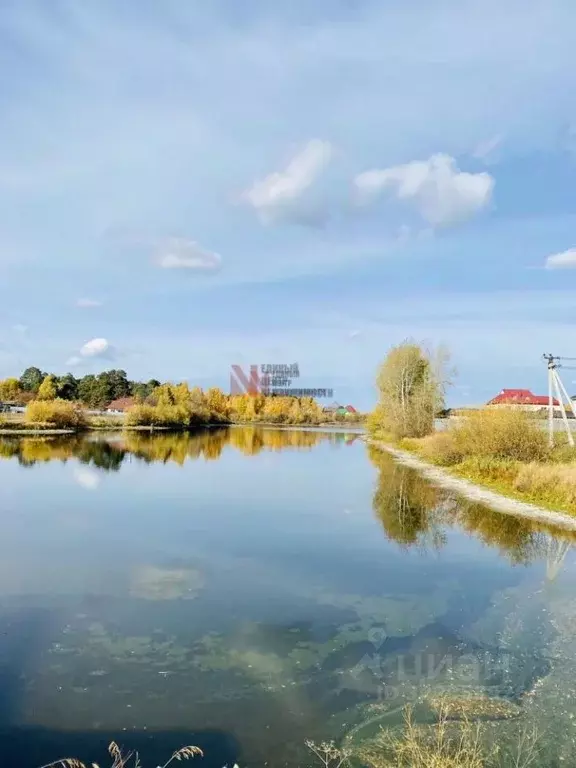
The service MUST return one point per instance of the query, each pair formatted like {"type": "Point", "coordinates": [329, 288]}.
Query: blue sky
{"type": "Point", "coordinates": [241, 181]}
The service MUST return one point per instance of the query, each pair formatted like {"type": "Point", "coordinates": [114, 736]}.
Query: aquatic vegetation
{"type": "Point", "coordinates": [124, 760]}
{"type": "Point", "coordinates": [474, 707]}
{"type": "Point", "coordinates": [152, 583]}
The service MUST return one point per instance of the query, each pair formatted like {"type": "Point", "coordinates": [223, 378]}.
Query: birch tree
{"type": "Point", "coordinates": [411, 383]}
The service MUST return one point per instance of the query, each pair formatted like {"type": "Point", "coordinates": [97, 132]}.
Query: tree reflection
{"type": "Point", "coordinates": [413, 512]}
{"type": "Point", "coordinates": [109, 453]}
{"type": "Point", "coordinates": [405, 504]}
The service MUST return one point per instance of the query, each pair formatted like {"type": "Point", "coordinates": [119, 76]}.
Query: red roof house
{"type": "Point", "coordinates": [121, 404]}
{"type": "Point", "coordinates": [520, 397]}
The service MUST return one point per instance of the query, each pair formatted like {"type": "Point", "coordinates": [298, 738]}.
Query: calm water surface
{"type": "Point", "coordinates": [247, 589]}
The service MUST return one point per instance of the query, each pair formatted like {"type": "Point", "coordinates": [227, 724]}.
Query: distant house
{"type": "Point", "coordinates": [120, 405]}
{"type": "Point", "coordinates": [340, 410]}
{"type": "Point", "coordinates": [522, 398]}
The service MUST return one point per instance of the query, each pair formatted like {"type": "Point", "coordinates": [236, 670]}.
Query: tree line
{"type": "Point", "coordinates": [58, 401]}
{"type": "Point", "coordinates": [94, 391]}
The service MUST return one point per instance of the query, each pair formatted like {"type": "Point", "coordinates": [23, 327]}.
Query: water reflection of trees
{"type": "Point", "coordinates": [413, 512]}
{"type": "Point", "coordinates": [405, 504]}
{"type": "Point", "coordinates": [30, 451]}
{"type": "Point", "coordinates": [108, 453]}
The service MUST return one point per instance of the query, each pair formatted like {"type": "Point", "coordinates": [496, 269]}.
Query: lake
{"type": "Point", "coordinates": [247, 589]}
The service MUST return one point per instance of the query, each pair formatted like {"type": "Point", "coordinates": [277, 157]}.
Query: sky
{"type": "Point", "coordinates": [185, 186]}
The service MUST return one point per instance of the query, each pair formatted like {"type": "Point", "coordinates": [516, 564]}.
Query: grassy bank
{"type": "Point", "coordinates": [506, 451]}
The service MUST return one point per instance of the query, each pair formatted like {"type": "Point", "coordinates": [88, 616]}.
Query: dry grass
{"type": "Point", "coordinates": [549, 482]}
{"type": "Point", "coordinates": [490, 433]}
{"type": "Point", "coordinates": [509, 450]}
{"type": "Point", "coordinates": [123, 760]}
{"type": "Point", "coordinates": [500, 434]}
{"type": "Point", "coordinates": [439, 448]}
{"type": "Point", "coordinates": [57, 414]}
{"type": "Point", "coordinates": [443, 745]}
{"type": "Point", "coordinates": [446, 744]}
{"type": "Point", "coordinates": [106, 422]}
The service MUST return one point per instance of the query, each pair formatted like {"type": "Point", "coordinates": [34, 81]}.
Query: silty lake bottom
{"type": "Point", "coordinates": [247, 589]}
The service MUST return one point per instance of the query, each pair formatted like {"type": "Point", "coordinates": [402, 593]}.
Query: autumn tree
{"type": "Point", "coordinates": [217, 403]}
{"type": "Point", "coordinates": [411, 383]}
{"type": "Point", "coordinates": [48, 389]}
{"type": "Point", "coordinates": [9, 390]}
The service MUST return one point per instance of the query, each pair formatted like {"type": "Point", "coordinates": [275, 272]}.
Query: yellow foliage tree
{"type": "Point", "coordinates": [9, 390]}
{"type": "Point", "coordinates": [48, 389]}
{"type": "Point", "coordinates": [217, 403]}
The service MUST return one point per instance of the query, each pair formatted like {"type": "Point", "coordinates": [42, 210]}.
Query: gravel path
{"type": "Point", "coordinates": [497, 501]}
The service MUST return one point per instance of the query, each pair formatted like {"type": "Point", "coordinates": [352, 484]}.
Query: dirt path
{"type": "Point", "coordinates": [497, 501]}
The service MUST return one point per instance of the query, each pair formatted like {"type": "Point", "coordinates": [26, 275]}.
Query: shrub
{"type": "Point", "coordinates": [166, 416]}
{"type": "Point", "coordinates": [502, 434]}
{"type": "Point", "coordinates": [58, 414]}
{"type": "Point", "coordinates": [106, 422]}
{"type": "Point", "coordinates": [439, 448]}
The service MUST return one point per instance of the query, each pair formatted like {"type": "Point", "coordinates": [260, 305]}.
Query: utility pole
{"type": "Point", "coordinates": [555, 384]}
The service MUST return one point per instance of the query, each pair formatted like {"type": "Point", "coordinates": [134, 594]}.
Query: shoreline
{"type": "Point", "coordinates": [32, 430]}
{"type": "Point", "coordinates": [508, 505]}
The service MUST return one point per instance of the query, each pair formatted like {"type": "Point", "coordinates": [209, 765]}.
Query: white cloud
{"type": "Point", "coordinates": [86, 478]}
{"type": "Point", "coordinates": [178, 253]}
{"type": "Point", "coordinates": [95, 348]}
{"type": "Point", "coordinates": [441, 193]}
{"type": "Point", "coordinates": [280, 192]}
{"type": "Point", "coordinates": [88, 303]}
{"type": "Point", "coordinates": [563, 260]}
{"type": "Point", "coordinates": [19, 328]}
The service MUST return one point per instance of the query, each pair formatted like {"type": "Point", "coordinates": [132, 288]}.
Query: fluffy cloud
{"type": "Point", "coordinates": [96, 348]}
{"type": "Point", "coordinates": [93, 349]}
{"type": "Point", "coordinates": [441, 193]}
{"type": "Point", "coordinates": [178, 253]}
{"type": "Point", "coordinates": [280, 193]}
{"type": "Point", "coordinates": [563, 260]}
{"type": "Point", "coordinates": [88, 303]}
